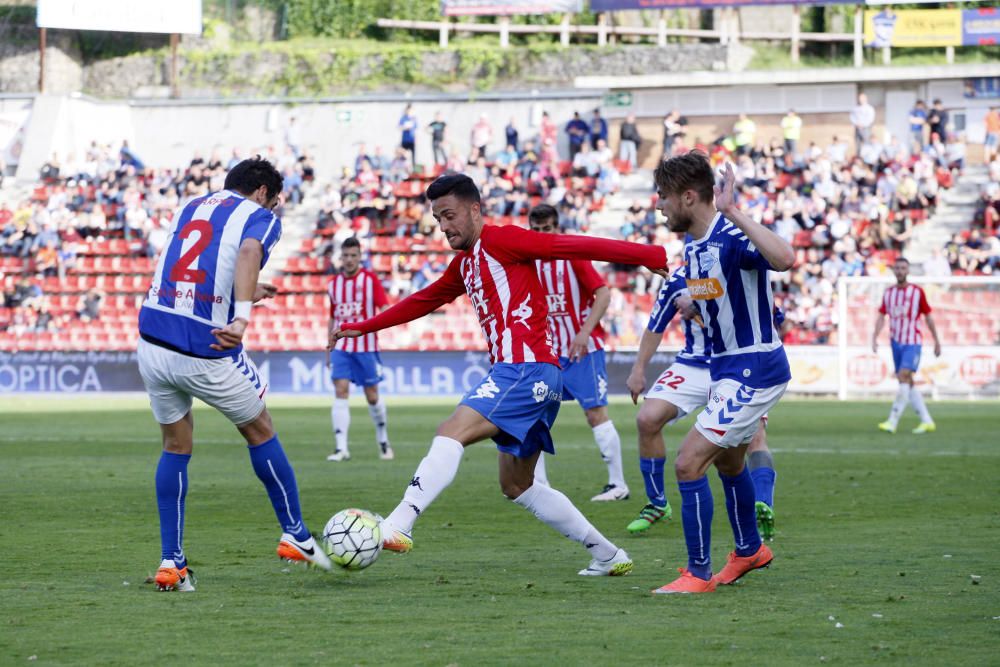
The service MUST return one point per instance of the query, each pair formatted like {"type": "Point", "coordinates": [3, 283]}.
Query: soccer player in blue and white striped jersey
{"type": "Point", "coordinates": [191, 327]}
{"type": "Point", "coordinates": [727, 260]}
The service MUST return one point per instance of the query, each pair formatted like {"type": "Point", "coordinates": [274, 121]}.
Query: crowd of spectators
{"type": "Point", "coordinates": [848, 208]}
{"type": "Point", "coordinates": [106, 193]}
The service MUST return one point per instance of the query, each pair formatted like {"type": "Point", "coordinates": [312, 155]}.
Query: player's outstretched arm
{"type": "Point", "coordinates": [245, 291]}
{"type": "Point", "coordinates": [777, 251]}
{"type": "Point", "coordinates": [526, 245]}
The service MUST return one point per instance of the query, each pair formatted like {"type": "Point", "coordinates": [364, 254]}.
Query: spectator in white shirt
{"type": "Point", "coordinates": [862, 118]}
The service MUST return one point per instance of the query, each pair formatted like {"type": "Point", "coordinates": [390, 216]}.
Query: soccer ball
{"type": "Point", "coordinates": [353, 538]}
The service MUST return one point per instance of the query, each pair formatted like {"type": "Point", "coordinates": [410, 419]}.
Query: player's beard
{"type": "Point", "coordinates": [679, 222]}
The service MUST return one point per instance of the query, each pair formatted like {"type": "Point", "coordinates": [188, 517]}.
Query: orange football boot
{"type": "Point", "coordinates": [686, 583]}
{"type": "Point", "coordinates": [737, 566]}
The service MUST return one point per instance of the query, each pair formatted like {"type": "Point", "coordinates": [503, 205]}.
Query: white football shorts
{"type": "Point", "coordinates": [734, 411]}
{"type": "Point", "coordinates": [683, 386]}
{"type": "Point", "coordinates": [231, 385]}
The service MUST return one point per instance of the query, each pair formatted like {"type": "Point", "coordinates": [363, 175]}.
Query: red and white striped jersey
{"type": "Point", "coordinates": [498, 274]}
{"type": "Point", "coordinates": [904, 306]}
{"type": "Point", "coordinates": [569, 288]}
{"type": "Point", "coordinates": [356, 297]}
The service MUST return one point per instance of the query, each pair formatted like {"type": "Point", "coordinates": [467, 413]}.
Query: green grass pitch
{"type": "Point", "coordinates": [886, 549]}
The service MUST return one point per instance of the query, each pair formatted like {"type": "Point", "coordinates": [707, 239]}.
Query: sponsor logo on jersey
{"type": "Point", "coordinates": [556, 303]}
{"type": "Point", "coordinates": [703, 289]}
{"type": "Point", "coordinates": [347, 310]}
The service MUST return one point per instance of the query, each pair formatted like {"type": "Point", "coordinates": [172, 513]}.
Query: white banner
{"type": "Point", "coordinates": [959, 370]}
{"type": "Point", "coordinates": [167, 16]}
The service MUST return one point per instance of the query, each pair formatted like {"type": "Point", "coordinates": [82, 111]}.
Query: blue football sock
{"type": "Point", "coordinates": [274, 470]}
{"type": "Point", "coordinates": [742, 514]}
{"type": "Point", "coordinates": [652, 475]}
{"type": "Point", "coordinates": [763, 485]}
{"type": "Point", "coordinates": [171, 489]}
{"type": "Point", "coordinates": [696, 516]}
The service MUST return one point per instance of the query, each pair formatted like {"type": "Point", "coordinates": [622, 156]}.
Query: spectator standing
{"type": "Point", "coordinates": [628, 148]}
{"type": "Point", "coordinates": [917, 119]}
{"type": "Point", "coordinates": [482, 135]}
{"type": "Point", "coordinates": [598, 129]}
{"type": "Point", "coordinates": [293, 138]}
{"type": "Point", "coordinates": [862, 118]}
{"type": "Point", "coordinates": [937, 120]}
{"type": "Point", "coordinates": [744, 131]}
{"type": "Point", "coordinates": [511, 134]}
{"type": "Point", "coordinates": [791, 129]}
{"type": "Point", "coordinates": [548, 131]}
{"type": "Point", "coordinates": [673, 131]}
{"type": "Point", "coordinates": [992, 122]}
{"type": "Point", "coordinates": [578, 131]}
{"type": "Point", "coordinates": [437, 129]}
{"type": "Point", "coordinates": [408, 130]}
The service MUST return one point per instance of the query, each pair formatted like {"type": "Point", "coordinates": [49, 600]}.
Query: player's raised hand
{"type": "Point", "coordinates": [264, 291]}
{"type": "Point", "coordinates": [229, 336]}
{"type": "Point", "coordinates": [636, 384]}
{"type": "Point", "coordinates": [336, 334]}
{"type": "Point", "coordinates": [725, 197]}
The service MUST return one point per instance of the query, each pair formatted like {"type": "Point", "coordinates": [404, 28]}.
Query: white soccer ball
{"type": "Point", "coordinates": [353, 538]}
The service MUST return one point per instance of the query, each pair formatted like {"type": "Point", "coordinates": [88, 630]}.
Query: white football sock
{"type": "Point", "coordinates": [340, 417]}
{"type": "Point", "coordinates": [611, 451]}
{"type": "Point", "coordinates": [541, 477]}
{"type": "Point", "coordinates": [556, 510]}
{"type": "Point", "coordinates": [435, 472]}
{"type": "Point", "coordinates": [378, 414]}
{"type": "Point", "coordinates": [917, 401]}
{"type": "Point", "coordinates": [899, 405]}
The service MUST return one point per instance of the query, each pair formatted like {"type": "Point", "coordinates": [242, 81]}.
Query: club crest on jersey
{"type": "Point", "coordinates": [539, 391]}
{"type": "Point", "coordinates": [488, 389]}
{"type": "Point", "coordinates": [523, 312]}
{"type": "Point", "coordinates": [708, 259]}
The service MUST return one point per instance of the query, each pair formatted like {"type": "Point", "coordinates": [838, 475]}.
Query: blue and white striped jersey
{"type": "Point", "coordinates": [727, 277]}
{"type": "Point", "coordinates": [696, 350]}
{"type": "Point", "coordinates": [192, 289]}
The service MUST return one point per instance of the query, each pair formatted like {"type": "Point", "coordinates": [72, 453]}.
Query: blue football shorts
{"type": "Point", "coordinates": [362, 368]}
{"type": "Point", "coordinates": [905, 356]}
{"type": "Point", "coordinates": [585, 381]}
{"type": "Point", "coordinates": [522, 400]}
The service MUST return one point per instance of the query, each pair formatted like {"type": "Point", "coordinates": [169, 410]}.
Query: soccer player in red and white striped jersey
{"type": "Point", "coordinates": [356, 293]}
{"type": "Point", "coordinates": [904, 303]}
{"type": "Point", "coordinates": [577, 299]}
{"type": "Point", "coordinates": [517, 403]}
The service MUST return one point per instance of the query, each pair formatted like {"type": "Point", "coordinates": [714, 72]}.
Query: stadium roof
{"type": "Point", "coordinates": [789, 77]}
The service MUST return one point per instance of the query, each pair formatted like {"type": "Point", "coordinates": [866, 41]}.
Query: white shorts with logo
{"type": "Point", "coordinates": [231, 385]}
{"type": "Point", "coordinates": [683, 386]}
{"type": "Point", "coordinates": [734, 411]}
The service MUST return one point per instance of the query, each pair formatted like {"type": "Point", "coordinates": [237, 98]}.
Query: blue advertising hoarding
{"type": "Point", "coordinates": [305, 373]}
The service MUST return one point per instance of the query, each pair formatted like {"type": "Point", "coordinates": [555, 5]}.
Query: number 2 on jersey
{"type": "Point", "coordinates": [182, 271]}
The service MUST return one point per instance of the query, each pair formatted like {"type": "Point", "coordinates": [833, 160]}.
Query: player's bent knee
{"type": "Point", "coordinates": [259, 431]}
{"type": "Point", "coordinates": [650, 422]}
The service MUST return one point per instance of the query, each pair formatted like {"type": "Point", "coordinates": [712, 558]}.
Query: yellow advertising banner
{"type": "Point", "coordinates": [913, 27]}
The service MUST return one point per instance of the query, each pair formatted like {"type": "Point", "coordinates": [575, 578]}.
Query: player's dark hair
{"type": "Point", "coordinates": [903, 260]}
{"type": "Point", "coordinates": [350, 242]}
{"type": "Point", "coordinates": [249, 175]}
{"type": "Point", "coordinates": [691, 171]}
{"type": "Point", "coordinates": [460, 185]}
{"type": "Point", "coordinates": [542, 212]}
